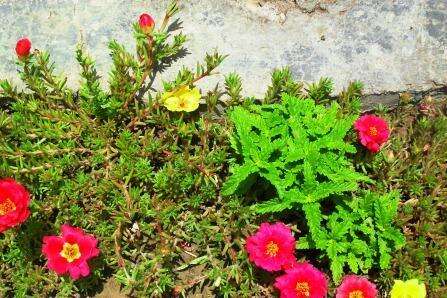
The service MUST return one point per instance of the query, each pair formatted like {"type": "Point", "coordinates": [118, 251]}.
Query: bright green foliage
{"type": "Point", "coordinates": [298, 147]}
{"type": "Point", "coordinates": [359, 234]}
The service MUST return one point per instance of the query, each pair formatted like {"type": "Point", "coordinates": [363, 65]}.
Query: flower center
{"type": "Point", "coordinates": [356, 294]}
{"type": "Point", "coordinates": [373, 131]}
{"type": "Point", "coordinates": [70, 252]}
{"type": "Point", "coordinates": [7, 206]}
{"type": "Point", "coordinates": [182, 103]}
{"type": "Point", "coordinates": [303, 289]}
{"type": "Point", "coordinates": [271, 249]}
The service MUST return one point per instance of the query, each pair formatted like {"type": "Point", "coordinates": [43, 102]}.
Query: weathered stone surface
{"type": "Point", "coordinates": [390, 45]}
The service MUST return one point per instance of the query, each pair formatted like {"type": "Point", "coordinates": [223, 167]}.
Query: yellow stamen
{"type": "Point", "coordinates": [373, 131]}
{"type": "Point", "coordinates": [303, 288]}
{"type": "Point", "coordinates": [7, 206]}
{"type": "Point", "coordinates": [356, 294]}
{"type": "Point", "coordinates": [70, 252]}
{"type": "Point", "coordinates": [271, 249]}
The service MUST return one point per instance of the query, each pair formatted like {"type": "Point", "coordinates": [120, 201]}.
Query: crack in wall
{"type": "Point", "coordinates": [392, 99]}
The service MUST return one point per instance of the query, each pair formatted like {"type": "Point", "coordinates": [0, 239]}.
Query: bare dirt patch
{"type": "Point", "coordinates": [111, 290]}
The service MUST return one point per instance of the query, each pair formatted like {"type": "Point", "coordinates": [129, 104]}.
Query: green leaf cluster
{"type": "Point", "coordinates": [298, 147]}
{"type": "Point", "coordinates": [295, 154]}
{"type": "Point", "coordinates": [360, 234]}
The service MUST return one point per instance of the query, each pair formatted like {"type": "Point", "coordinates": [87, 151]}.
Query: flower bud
{"type": "Point", "coordinates": [424, 108]}
{"type": "Point", "coordinates": [23, 48]}
{"type": "Point", "coordinates": [146, 23]}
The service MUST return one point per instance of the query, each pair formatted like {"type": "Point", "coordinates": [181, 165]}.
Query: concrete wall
{"type": "Point", "coordinates": [391, 45]}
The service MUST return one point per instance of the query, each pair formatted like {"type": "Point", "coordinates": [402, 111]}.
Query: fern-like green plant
{"type": "Point", "coordinates": [360, 234]}
{"type": "Point", "coordinates": [298, 147]}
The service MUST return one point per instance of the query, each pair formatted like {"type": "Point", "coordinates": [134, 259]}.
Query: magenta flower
{"type": "Point", "coordinates": [272, 247]}
{"type": "Point", "coordinates": [302, 281]}
{"type": "Point", "coordinates": [373, 131]}
{"type": "Point", "coordinates": [354, 286]}
{"type": "Point", "coordinates": [14, 204]}
{"type": "Point", "coordinates": [70, 252]}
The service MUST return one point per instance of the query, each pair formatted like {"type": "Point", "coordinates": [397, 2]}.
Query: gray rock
{"type": "Point", "coordinates": [389, 45]}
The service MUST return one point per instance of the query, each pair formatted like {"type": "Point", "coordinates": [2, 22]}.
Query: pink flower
{"type": "Point", "coordinates": [70, 252]}
{"type": "Point", "coordinates": [302, 281]}
{"type": "Point", "coordinates": [23, 48]}
{"type": "Point", "coordinates": [272, 247]}
{"type": "Point", "coordinates": [373, 131]}
{"type": "Point", "coordinates": [14, 204]}
{"type": "Point", "coordinates": [356, 287]}
{"type": "Point", "coordinates": [146, 23]}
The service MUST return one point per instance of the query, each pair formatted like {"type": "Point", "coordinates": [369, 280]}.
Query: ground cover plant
{"type": "Point", "coordinates": [141, 179]}
{"type": "Point", "coordinates": [415, 162]}
{"type": "Point", "coordinates": [176, 191]}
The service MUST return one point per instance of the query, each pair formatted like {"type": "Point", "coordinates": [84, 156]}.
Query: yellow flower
{"type": "Point", "coordinates": [182, 99]}
{"type": "Point", "coordinates": [408, 289]}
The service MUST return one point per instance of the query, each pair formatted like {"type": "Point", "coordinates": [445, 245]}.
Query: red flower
{"type": "Point", "coordinates": [302, 281]}
{"type": "Point", "coordinates": [14, 204]}
{"type": "Point", "coordinates": [147, 23]}
{"type": "Point", "coordinates": [272, 247]}
{"type": "Point", "coordinates": [70, 252]}
{"type": "Point", "coordinates": [23, 48]}
{"type": "Point", "coordinates": [356, 287]}
{"type": "Point", "coordinates": [373, 131]}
